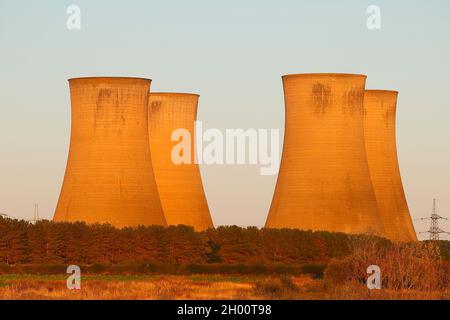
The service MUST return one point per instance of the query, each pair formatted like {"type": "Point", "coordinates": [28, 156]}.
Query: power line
{"type": "Point", "coordinates": [35, 214]}
{"type": "Point", "coordinates": [434, 230]}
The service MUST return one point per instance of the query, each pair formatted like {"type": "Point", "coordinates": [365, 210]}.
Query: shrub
{"type": "Point", "coordinates": [404, 266]}
{"type": "Point", "coordinates": [281, 287]}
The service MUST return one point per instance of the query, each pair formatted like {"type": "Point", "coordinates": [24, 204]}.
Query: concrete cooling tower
{"type": "Point", "coordinates": [324, 181]}
{"type": "Point", "coordinates": [379, 129]}
{"type": "Point", "coordinates": [179, 185]}
{"type": "Point", "coordinates": [109, 176]}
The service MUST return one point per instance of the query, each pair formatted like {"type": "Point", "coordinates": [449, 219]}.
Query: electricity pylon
{"type": "Point", "coordinates": [434, 230]}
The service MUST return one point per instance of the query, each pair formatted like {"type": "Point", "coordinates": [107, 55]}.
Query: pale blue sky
{"type": "Point", "coordinates": [232, 53]}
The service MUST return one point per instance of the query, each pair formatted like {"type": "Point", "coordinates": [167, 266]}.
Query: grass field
{"type": "Point", "coordinates": [194, 287]}
{"type": "Point", "coordinates": [127, 287]}
{"type": "Point", "coordinates": [408, 271]}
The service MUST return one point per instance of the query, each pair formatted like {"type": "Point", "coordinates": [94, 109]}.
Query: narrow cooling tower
{"type": "Point", "coordinates": [324, 181]}
{"type": "Point", "coordinates": [179, 185]}
{"type": "Point", "coordinates": [109, 176]}
{"type": "Point", "coordinates": [379, 129]}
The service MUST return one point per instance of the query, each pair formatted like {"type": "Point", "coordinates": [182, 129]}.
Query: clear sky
{"type": "Point", "coordinates": [233, 54]}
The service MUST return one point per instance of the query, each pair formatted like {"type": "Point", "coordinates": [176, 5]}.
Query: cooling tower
{"type": "Point", "coordinates": [324, 181]}
{"type": "Point", "coordinates": [179, 185]}
{"type": "Point", "coordinates": [109, 176]}
{"type": "Point", "coordinates": [379, 129]}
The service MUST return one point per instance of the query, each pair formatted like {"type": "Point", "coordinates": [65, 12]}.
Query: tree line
{"type": "Point", "coordinates": [46, 242]}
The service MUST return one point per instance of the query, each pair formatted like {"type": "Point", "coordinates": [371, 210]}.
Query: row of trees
{"type": "Point", "coordinates": [47, 242]}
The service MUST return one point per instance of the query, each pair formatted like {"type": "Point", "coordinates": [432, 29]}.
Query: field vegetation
{"type": "Point", "coordinates": [222, 263]}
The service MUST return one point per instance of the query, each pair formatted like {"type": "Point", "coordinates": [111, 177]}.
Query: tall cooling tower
{"type": "Point", "coordinates": [324, 181]}
{"type": "Point", "coordinates": [109, 176]}
{"type": "Point", "coordinates": [379, 129]}
{"type": "Point", "coordinates": [179, 185]}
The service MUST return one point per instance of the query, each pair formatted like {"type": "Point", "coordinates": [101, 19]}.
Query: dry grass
{"type": "Point", "coordinates": [198, 287]}
{"type": "Point", "coordinates": [97, 288]}
{"type": "Point", "coordinates": [358, 291]}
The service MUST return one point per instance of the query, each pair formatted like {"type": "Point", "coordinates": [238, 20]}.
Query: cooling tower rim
{"type": "Point", "coordinates": [381, 91]}
{"type": "Point", "coordinates": [108, 78]}
{"type": "Point", "coordinates": [173, 94]}
{"type": "Point", "coordinates": [346, 75]}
